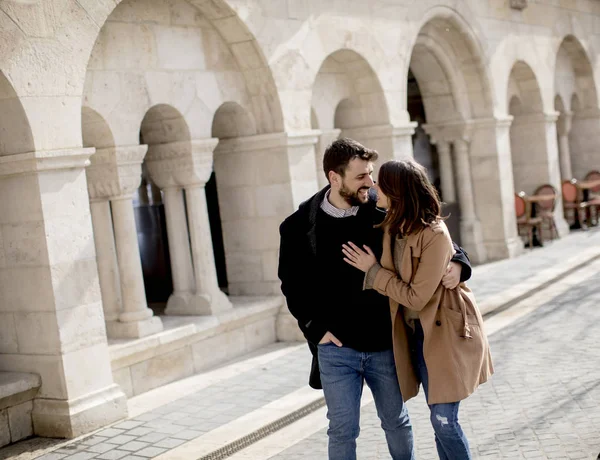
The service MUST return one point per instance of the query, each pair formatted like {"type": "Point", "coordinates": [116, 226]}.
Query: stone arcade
{"type": "Point", "coordinates": [149, 150]}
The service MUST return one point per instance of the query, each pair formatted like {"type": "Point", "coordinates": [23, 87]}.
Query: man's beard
{"type": "Point", "coordinates": [353, 198]}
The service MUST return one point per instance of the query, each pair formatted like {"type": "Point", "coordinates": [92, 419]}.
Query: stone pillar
{"type": "Point", "coordinates": [392, 142]}
{"type": "Point", "coordinates": [584, 138]}
{"type": "Point", "coordinates": [470, 227]}
{"type": "Point", "coordinates": [260, 182]}
{"type": "Point", "coordinates": [51, 318]}
{"type": "Point", "coordinates": [179, 249]}
{"type": "Point", "coordinates": [553, 169]}
{"type": "Point", "coordinates": [209, 297]}
{"type": "Point", "coordinates": [325, 139]}
{"type": "Point", "coordinates": [189, 165]}
{"type": "Point", "coordinates": [115, 173]}
{"type": "Point", "coordinates": [446, 172]}
{"type": "Point", "coordinates": [402, 143]}
{"type": "Point", "coordinates": [106, 255]}
{"type": "Point", "coordinates": [563, 127]}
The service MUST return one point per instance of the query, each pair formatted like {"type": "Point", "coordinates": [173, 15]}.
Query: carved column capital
{"type": "Point", "coordinates": [181, 164]}
{"type": "Point", "coordinates": [115, 172]}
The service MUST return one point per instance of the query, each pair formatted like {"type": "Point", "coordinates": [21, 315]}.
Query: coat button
{"type": "Point", "coordinates": [438, 323]}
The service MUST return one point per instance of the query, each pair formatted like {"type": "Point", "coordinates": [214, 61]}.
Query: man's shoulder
{"type": "Point", "coordinates": [302, 214]}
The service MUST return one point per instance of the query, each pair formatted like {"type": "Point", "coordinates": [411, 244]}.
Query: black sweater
{"type": "Point", "coordinates": [359, 318]}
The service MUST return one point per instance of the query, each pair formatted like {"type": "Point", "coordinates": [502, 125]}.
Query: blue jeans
{"type": "Point", "coordinates": [343, 372]}
{"type": "Point", "coordinates": [450, 440]}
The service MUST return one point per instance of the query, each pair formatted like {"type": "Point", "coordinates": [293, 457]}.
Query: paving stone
{"type": "Point", "coordinates": [170, 443]}
{"type": "Point", "coordinates": [120, 439]}
{"type": "Point", "coordinates": [134, 446]}
{"type": "Point", "coordinates": [115, 454]}
{"type": "Point", "coordinates": [538, 405]}
{"type": "Point", "coordinates": [150, 452]}
{"type": "Point", "coordinates": [100, 448]}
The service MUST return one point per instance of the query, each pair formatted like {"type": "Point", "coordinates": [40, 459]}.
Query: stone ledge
{"type": "Point", "coordinates": [17, 388]}
{"type": "Point", "coordinates": [180, 350]}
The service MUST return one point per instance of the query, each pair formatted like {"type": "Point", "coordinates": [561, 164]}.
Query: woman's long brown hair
{"type": "Point", "coordinates": [413, 201]}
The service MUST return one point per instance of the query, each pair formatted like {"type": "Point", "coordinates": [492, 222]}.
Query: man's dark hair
{"type": "Point", "coordinates": [343, 151]}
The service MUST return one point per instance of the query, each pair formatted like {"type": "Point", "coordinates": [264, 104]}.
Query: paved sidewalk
{"type": "Point", "coordinates": [542, 402]}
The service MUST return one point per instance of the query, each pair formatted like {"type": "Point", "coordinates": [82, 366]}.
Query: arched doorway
{"type": "Point", "coordinates": [528, 145]}
{"type": "Point", "coordinates": [447, 95]}
{"type": "Point", "coordinates": [577, 102]}
{"type": "Point", "coordinates": [348, 101]}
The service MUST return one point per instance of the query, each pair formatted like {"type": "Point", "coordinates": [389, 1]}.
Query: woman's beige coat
{"type": "Point", "coordinates": [456, 365]}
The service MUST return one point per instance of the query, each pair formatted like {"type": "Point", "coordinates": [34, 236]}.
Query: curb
{"type": "Point", "coordinates": [497, 303]}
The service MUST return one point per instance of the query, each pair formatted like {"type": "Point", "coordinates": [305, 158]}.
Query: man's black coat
{"type": "Point", "coordinates": [297, 260]}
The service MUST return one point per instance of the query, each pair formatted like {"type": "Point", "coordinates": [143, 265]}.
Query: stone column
{"type": "Point", "coordinates": [51, 318]}
{"type": "Point", "coordinates": [584, 138]}
{"type": "Point", "coordinates": [402, 144]}
{"type": "Point", "coordinates": [209, 297]}
{"type": "Point", "coordinates": [106, 255]}
{"type": "Point", "coordinates": [325, 139]}
{"type": "Point", "coordinates": [470, 227]}
{"type": "Point", "coordinates": [163, 162]}
{"type": "Point", "coordinates": [563, 126]}
{"type": "Point", "coordinates": [392, 142]}
{"type": "Point", "coordinates": [189, 165]}
{"type": "Point", "coordinates": [446, 172]}
{"type": "Point", "coordinates": [116, 174]}
{"type": "Point", "coordinates": [179, 249]}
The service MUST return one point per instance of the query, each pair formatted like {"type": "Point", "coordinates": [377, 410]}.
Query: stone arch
{"type": "Point", "coordinates": [163, 124]}
{"type": "Point", "coordinates": [156, 51]}
{"type": "Point", "coordinates": [348, 100]}
{"type": "Point", "coordinates": [579, 120]}
{"type": "Point", "coordinates": [15, 130]}
{"type": "Point", "coordinates": [447, 59]}
{"type": "Point", "coordinates": [95, 130]}
{"type": "Point", "coordinates": [528, 141]}
{"type": "Point", "coordinates": [232, 120]}
{"type": "Point", "coordinates": [574, 74]}
{"type": "Point", "coordinates": [297, 68]}
{"type": "Point", "coordinates": [347, 93]}
{"type": "Point", "coordinates": [447, 88]}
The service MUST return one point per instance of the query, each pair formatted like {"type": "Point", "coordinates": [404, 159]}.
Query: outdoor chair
{"type": "Point", "coordinates": [573, 202]}
{"type": "Point", "coordinates": [545, 208]}
{"type": "Point", "coordinates": [524, 219]}
{"type": "Point", "coordinates": [593, 196]}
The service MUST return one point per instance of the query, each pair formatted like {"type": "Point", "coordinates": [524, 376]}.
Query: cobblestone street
{"type": "Point", "coordinates": [542, 403]}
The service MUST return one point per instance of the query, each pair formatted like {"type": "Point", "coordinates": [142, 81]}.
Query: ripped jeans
{"type": "Point", "coordinates": [450, 440]}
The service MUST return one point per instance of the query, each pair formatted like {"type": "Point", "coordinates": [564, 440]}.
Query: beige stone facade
{"type": "Point", "coordinates": [107, 106]}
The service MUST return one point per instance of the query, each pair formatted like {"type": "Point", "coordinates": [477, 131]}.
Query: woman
{"type": "Point", "coordinates": [438, 333]}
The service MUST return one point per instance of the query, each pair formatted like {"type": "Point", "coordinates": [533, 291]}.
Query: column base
{"type": "Point", "coordinates": [68, 419]}
{"type": "Point", "coordinates": [562, 226]}
{"type": "Point", "coordinates": [199, 305]}
{"type": "Point", "coordinates": [133, 329]}
{"type": "Point", "coordinates": [472, 240]}
{"type": "Point", "coordinates": [504, 249]}
{"type": "Point", "coordinates": [180, 303]}
{"type": "Point", "coordinates": [287, 327]}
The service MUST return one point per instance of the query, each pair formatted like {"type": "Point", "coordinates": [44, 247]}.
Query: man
{"type": "Point", "coordinates": [348, 329]}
